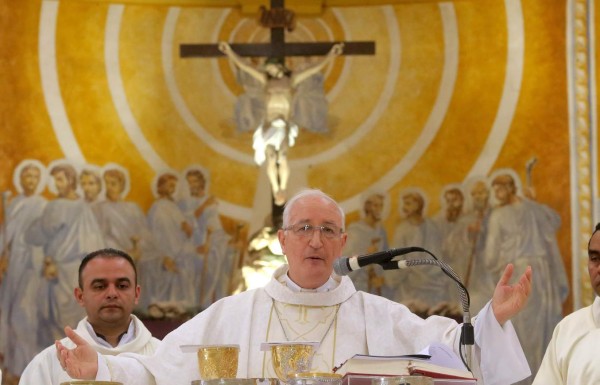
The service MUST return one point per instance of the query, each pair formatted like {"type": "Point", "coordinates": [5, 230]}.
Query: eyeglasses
{"type": "Point", "coordinates": [307, 231]}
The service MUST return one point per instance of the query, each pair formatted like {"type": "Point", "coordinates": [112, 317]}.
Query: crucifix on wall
{"type": "Point", "coordinates": [270, 105]}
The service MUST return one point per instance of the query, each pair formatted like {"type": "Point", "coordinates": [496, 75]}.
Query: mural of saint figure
{"type": "Point", "coordinates": [124, 227]}
{"type": "Point", "coordinates": [425, 285]}
{"type": "Point", "coordinates": [478, 281]}
{"type": "Point", "coordinates": [67, 230]}
{"type": "Point", "coordinates": [19, 287]}
{"type": "Point", "coordinates": [90, 181]}
{"type": "Point", "coordinates": [523, 232]}
{"type": "Point", "coordinates": [172, 235]}
{"type": "Point", "coordinates": [366, 236]}
{"type": "Point", "coordinates": [453, 224]}
{"type": "Point", "coordinates": [209, 237]}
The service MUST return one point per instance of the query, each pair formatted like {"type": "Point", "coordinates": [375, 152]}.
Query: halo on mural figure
{"type": "Point", "coordinates": [26, 163]}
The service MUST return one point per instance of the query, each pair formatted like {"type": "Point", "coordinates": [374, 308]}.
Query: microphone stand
{"type": "Point", "coordinates": [467, 336]}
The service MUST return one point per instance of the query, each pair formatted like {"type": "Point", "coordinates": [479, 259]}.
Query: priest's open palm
{"type": "Point", "coordinates": [508, 299]}
{"type": "Point", "coordinates": [80, 362]}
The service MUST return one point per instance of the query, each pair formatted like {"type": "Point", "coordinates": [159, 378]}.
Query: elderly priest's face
{"type": "Point", "coordinates": [311, 240]}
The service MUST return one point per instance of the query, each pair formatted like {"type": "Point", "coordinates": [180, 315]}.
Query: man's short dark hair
{"type": "Point", "coordinates": [106, 253]}
{"type": "Point", "coordinates": [596, 228]}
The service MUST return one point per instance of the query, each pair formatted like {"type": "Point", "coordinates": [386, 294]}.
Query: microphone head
{"type": "Point", "coordinates": [340, 266]}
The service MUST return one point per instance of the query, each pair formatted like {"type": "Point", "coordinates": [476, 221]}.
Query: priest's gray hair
{"type": "Point", "coordinates": [310, 193]}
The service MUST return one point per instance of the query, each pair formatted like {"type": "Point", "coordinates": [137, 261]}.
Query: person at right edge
{"type": "Point", "coordinates": [571, 357]}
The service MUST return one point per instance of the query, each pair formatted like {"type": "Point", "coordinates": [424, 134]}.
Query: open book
{"type": "Point", "coordinates": [440, 363]}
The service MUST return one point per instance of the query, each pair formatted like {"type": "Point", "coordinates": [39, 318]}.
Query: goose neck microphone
{"type": "Point", "coordinates": [345, 265]}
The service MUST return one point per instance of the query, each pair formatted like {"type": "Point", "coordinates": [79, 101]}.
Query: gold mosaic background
{"type": "Point", "coordinates": [455, 89]}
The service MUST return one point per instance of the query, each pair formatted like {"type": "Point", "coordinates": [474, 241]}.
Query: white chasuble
{"type": "Point", "coordinates": [571, 357]}
{"type": "Point", "coordinates": [45, 368]}
{"type": "Point", "coordinates": [364, 324]}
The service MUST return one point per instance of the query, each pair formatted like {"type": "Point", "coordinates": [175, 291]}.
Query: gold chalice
{"type": "Point", "coordinates": [218, 361]}
{"type": "Point", "coordinates": [291, 358]}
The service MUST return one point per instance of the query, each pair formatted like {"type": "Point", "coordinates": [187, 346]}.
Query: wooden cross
{"type": "Point", "coordinates": [277, 19]}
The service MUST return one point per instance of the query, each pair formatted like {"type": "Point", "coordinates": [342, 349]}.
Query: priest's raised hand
{"type": "Point", "coordinates": [80, 362]}
{"type": "Point", "coordinates": [508, 299]}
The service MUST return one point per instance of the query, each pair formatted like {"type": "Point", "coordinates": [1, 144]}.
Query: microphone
{"type": "Point", "coordinates": [345, 265]}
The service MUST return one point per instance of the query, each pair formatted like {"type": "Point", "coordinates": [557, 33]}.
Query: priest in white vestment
{"type": "Point", "coordinates": [108, 293]}
{"type": "Point", "coordinates": [305, 302]}
{"type": "Point", "coordinates": [571, 357]}
{"type": "Point", "coordinates": [45, 368]}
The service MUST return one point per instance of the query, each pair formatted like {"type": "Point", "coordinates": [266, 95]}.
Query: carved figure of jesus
{"type": "Point", "coordinates": [276, 132]}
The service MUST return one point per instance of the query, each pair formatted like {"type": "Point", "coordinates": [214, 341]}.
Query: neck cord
{"type": "Point", "coordinates": [337, 309]}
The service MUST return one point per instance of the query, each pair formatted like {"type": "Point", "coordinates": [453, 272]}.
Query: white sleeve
{"type": "Point", "coordinates": [103, 373]}
{"type": "Point", "coordinates": [40, 370]}
{"type": "Point", "coordinates": [126, 370]}
{"type": "Point", "coordinates": [549, 372]}
{"type": "Point", "coordinates": [501, 358]}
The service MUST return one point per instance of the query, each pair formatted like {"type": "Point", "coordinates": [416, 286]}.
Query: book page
{"type": "Point", "coordinates": [442, 355]}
